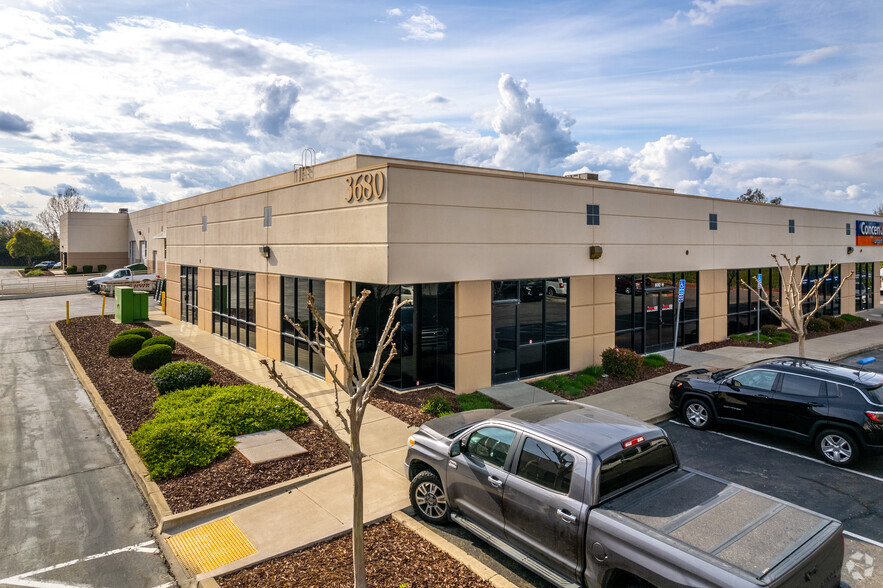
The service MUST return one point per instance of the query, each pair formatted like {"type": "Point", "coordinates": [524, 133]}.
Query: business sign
{"type": "Point", "coordinates": [868, 233]}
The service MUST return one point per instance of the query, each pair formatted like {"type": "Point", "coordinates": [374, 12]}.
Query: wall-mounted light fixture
{"type": "Point", "coordinates": [595, 252]}
{"type": "Point", "coordinates": [849, 250]}
{"type": "Point", "coordinates": [265, 251]}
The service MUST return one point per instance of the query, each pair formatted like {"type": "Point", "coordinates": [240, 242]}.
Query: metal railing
{"type": "Point", "coordinates": [44, 285]}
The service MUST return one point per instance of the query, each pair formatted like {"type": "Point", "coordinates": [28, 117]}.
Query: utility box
{"type": "Point", "coordinates": [124, 302]}
{"type": "Point", "coordinates": [140, 306]}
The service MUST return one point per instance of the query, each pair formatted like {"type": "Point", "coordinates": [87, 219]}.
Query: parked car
{"type": "Point", "coordinates": [628, 284]}
{"type": "Point", "coordinates": [837, 408]}
{"type": "Point", "coordinates": [587, 497]}
{"type": "Point", "coordinates": [56, 265]}
{"type": "Point", "coordinates": [136, 275]}
{"type": "Point", "coordinates": [44, 265]}
{"type": "Point", "coordinates": [556, 287]}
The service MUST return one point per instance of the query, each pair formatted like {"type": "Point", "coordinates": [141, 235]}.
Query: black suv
{"type": "Point", "coordinates": [837, 408]}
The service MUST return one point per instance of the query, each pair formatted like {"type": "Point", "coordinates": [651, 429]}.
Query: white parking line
{"type": "Point", "coordinates": [864, 539]}
{"type": "Point", "coordinates": [812, 459]}
{"type": "Point", "coordinates": [21, 579]}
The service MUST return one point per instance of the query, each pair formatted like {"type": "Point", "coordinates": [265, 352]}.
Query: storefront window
{"type": "Point", "coordinates": [189, 290]}
{"type": "Point", "coordinates": [742, 303]}
{"type": "Point", "coordinates": [296, 349]}
{"type": "Point", "coordinates": [233, 306]}
{"type": "Point", "coordinates": [646, 307]}
{"type": "Point", "coordinates": [864, 286]}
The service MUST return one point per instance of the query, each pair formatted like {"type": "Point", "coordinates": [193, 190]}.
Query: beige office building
{"type": "Point", "coordinates": [512, 275]}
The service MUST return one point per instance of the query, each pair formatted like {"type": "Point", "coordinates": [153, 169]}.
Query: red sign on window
{"type": "Point", "coordinates": [667, 306]}
{"type": "Point", "coordinates": [652, 308]}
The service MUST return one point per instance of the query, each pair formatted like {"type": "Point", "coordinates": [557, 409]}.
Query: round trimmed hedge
{"type": "Point", "coordinates": [152, 357]}
{"type": "Point", "coordinates": [142, 332]}
{"type": "Point", "coordinates": [159, 340]}
{"type": "Point", "coordinates": [180, 375]}
{"type": "Point", "coordinates": [125, 345]}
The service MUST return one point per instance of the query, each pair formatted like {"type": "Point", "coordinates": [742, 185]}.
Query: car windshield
{"type": "Point", "coordinates": [720, 374]}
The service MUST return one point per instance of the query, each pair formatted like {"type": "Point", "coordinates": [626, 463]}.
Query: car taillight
{"type": "Point", "coordinates": [633, 441]}
{"type": "Point", "coordinates": [877, 417]}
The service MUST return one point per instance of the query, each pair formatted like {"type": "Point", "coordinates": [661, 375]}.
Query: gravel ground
{"type": "Point", "coordinates": [854, 325]}
{"type": "Point", "coordinates": [130, 396]}
{"type": "Point", "coordinates": [395, 557]}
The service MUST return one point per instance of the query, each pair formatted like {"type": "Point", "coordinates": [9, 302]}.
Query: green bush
{"type": "Point", "coordinates": [150, 358]}
{"type": "Point", "coordinates": [159, 340]}
{"type": "Point", "coordinates": [769, 330]}
{"type": "Point", "coordinates": [71, 269]}
{"type": "Point", "coordinates": [142, 332]}
{"type": "Point", "coordinates": [571, 385]}
{"type": "Point", "coordinates": [621, 363]}
{"type": "Point", "coordinates": [124, 345]}
{"type": "Point", "coordinates": [837, 324]}
{"type": "Point", "coordinates": [101, 268]}
{"type": "Point", "coordinates": [850, 318]}
{"type": "Point", "coordinates": [438, 405]}
{"type": "Point", "coordinates": [817, 325]}
{"type": "Point", "coordinates": [654, 360]}
{"type": "Point", "coordinates": [35, 273]}
{"type": "Point", "coordinates": [180, 375]}
{"type": "Point", "coordinates": [473, 401]}
{"type": "Point", "coordinates": [194, 427]}
{"type": "Point", "coordinates": [87, 269]}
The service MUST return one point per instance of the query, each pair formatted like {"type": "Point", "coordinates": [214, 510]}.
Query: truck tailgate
{"type": "Point", "coordinates": [755, 533]}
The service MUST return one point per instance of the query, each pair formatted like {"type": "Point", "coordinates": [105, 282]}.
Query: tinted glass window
{"type": "Point", "coordinates": [757, 379]}
{"type": "Point", "coordinates": [635, 463]}
{"type": "Point", "coordinates": [490, 444]}
{"type": "Point", "coordinates": [545, 465]}
{"type": "Point", "coordinates": [801, 385]}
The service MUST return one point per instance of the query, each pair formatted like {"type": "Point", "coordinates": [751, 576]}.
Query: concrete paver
{"type": "Point", "coordinates": [266, 446]}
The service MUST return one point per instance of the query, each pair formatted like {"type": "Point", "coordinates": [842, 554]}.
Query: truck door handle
{"type": "Point", "coordinates": [762, 396]}
{"type": "Point", "coordinates": [495, 481]}
{"type": "Point", "coordinates": [566, 516]}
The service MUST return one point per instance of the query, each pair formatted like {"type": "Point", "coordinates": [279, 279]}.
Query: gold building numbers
{"type": "Point", "coordinates": [365, 187]}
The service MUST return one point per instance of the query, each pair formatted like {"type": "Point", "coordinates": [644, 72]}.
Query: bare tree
{"type": "Point", "coordinates": [758, 197]}
{"type": "Point", "coordinates": [878, 210]}
{"type": "Point", "coordinates": [358, 388]}
{"type": "Point", "coordinates": [66, 200]}
{"type": "Point", "coordinates": [795, 319]}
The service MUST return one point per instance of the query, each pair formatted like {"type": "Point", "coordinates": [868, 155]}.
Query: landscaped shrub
{"type": "Point", "coordinates": [124, 345]}
{"type": "Point", "coordinates": [654, 360]}
{"type": "Point", "coordinates": [193, 427]}
{"type": "Point", "coordinates": [150, 358]}
{"type": "Point", "coordinates": [160, 340]}
{"type": "Point", "coordinates": [571, 384]}
{"type": "Point", "coordinates": [35, 273]}
{"type": "Point", "coordinates": [621, 363]}
{"type": "Point", "coordinates": [142, 332]}
{"type": "Point", "coordinates": [180, 375]}
{"type": "Point", "coordinates": [850, 318]}
{"type": "Point", "coordinates": [71, 269]}
{"type": "Point", "coordinates": [87, 269]}
{"type": "Point", "coordinates": [101, 268]}
{"type": "Point", "coordinates": [769, 330]}
{"type": "Point", "coordinates": [837, 324]}
{"type": "Point", "coordinates": [438, 405]}
{"type": "Point", "coordinates": [473, 401]}
{"type": "Point", "coordinates": [817, 325]}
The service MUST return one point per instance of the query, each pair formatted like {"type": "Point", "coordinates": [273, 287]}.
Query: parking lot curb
{"type": "Point", "coordinates": [480, 570]}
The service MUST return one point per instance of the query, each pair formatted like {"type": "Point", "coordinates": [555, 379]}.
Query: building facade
{"type": "Point", "coordinates": [511, 275]}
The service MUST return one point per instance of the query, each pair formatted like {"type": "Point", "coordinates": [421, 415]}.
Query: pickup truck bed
{"type": "Point", "coordinates": [747, 532]}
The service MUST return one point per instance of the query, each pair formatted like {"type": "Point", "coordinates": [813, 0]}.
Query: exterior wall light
{"type": "Point", "coordinates": [265, 251]}
{"type": "Point", "coordinates": [849, 250]}
{"type": "Point", "coordinates": [595, 252]}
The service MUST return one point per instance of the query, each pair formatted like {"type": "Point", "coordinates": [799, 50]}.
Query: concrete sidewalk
{"type": "Point", "coordinates": [297, 514]}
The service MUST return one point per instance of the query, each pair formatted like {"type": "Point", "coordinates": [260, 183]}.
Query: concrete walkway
{"type": "Point", "coordinates": [281, 520]}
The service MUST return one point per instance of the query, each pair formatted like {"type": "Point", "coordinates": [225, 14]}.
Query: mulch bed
{"type": "Point", "coordinates": [611, 383]}
{"type": "Point", "coordinates": [853, 326]}
{"type": "Point", "coordinates": [395, 557]}
{"type": "Point", "coordinates": [130, 396]}
{"type": "Point", "coordinates": [405, 406]}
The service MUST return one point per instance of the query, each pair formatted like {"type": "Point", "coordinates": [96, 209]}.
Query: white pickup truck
{"type": "Point", "coordinates": [136, 275]}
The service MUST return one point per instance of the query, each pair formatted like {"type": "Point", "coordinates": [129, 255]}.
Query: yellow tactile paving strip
{"type": "Point", "coordinates": [212, 545]}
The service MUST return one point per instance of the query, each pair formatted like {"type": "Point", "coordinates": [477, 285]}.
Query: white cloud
{"type": "Point", "coordinates": [673, 162]}
{"type": "Point", "coordinates": [703, 11]}
{"type": "Point", "coordinates": [394, 12]}
{"type": "Point", "coordinates": [422, 27]}
{"type": "Point", "coordinates": [815, 55]}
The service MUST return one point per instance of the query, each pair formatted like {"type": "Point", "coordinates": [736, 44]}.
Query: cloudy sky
{"type": "Point", "coordinates": [135, 102]}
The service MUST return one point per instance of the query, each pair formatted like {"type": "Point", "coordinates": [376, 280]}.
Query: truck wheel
{"type": "Point", "coordinates": [837, 447]}
{"type": "Point", "coordinates": [697, 413]}
{"type": "Point", "coordinates": [429, 499]}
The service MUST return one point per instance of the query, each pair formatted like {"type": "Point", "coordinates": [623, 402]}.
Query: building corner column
{"type": "Point", "coordinates": [473, 357]}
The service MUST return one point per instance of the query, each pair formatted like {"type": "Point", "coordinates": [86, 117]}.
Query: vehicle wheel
{"type": "Point", "coordinates": [837, 447]}
{"type": "Point", "coordinates": [698, 414]}
{"type": "Point", "coordinates": [550, 291]}
{"type": "Point", "coordinates": [429, 499]}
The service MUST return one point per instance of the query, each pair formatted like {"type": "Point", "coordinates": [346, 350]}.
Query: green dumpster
{"type": "Point", "coordinates": [140, 306]}
{"type": "Point", "coordinates": [124, 300]}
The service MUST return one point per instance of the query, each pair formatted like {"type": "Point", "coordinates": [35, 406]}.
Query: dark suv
{"type": "Point", "coordinates": [837, 408]}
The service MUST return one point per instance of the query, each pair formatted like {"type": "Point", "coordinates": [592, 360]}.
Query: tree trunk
{"type": "Point", "coordinates": [801, 344]}
{"type": "Point", "coordinates": [359, 573]}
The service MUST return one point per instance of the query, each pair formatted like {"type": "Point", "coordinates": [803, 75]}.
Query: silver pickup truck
{"type": "Point", "coordinates": [585, 497]}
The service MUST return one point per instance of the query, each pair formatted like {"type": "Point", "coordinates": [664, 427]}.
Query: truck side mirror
{"type": "Point", "coordinates": [734, 384]}
{"type": "Point", "coordinates": [456, 448]}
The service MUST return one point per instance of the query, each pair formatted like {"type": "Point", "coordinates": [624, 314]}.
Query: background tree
{"type": "Point", "coordinates": [347, 376]}
{"type": "Point", "coordinates": [791, 310]}
{"type": "Point", "coordinates": [66, 200]}
{"type": "Point", "coordinates": [757, 197]}
{"type": "Point", "coordinates": [28, 244]}
{"type": "Point", "coordinates": [878, 210]}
